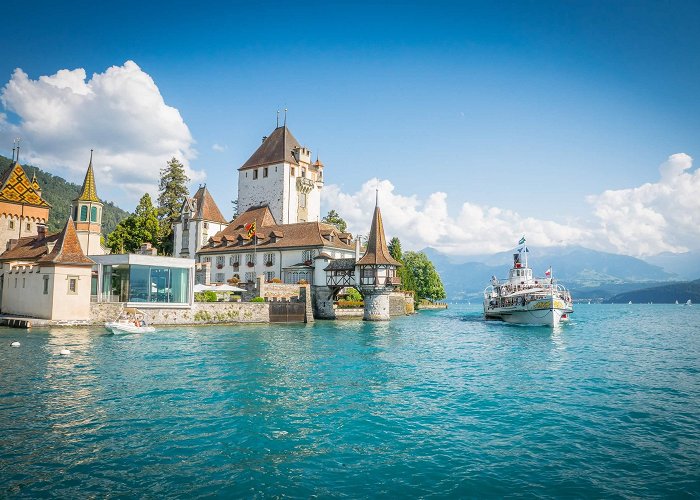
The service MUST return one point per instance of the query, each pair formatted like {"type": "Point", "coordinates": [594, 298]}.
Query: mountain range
{"type": "Point", "coordinates": [589, 274]}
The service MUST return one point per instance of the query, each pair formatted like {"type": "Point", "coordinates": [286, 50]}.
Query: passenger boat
{"type": "Point", "coordinates": [522, 299]}
{"type": "Point", "coordinates": [130, 320]}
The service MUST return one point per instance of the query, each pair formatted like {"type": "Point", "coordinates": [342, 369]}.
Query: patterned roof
{"type": "Point", "coordinates": [377, 250]}
{"type": "Point", "coordinates": [15, 187]}
{"type": "Point", "coordinates": [275, 149]}
{"type": "Point", "coordinates": [89, 191]}
{"type": "Point", "coordinates": [67, 249]}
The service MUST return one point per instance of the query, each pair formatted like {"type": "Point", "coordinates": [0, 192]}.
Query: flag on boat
{"type": "Point", "coordinates": [522, 240]}
{"type": "Point", "coordinates": [250, 227]}
{"type": "Point", "coordinates": [548, 272]}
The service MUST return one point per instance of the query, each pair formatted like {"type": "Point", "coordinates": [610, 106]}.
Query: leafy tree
{"type": "Point", "coordinates": [140, 227]}
{"type": "Point", "coordinates": [426, 281]}
{"type": "Point", "coordinates": [334, 218]}
{"type": "Point", "coordinates": [173, 192]}
{"type": "Point", "coordinates": [407, 280]}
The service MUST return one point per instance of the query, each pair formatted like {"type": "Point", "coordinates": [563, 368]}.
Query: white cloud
{"type": "Point", "coordinates": [219, 148]}
{"type": "Point", "coordinates": [645, 220]}
{"type": "Point", "coordinates": [654, 217]}
{"type": "Point", "coordinates": [119, 113]}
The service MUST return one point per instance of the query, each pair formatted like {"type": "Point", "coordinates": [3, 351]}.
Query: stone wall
{"type": "Point", "coordinates": [349, 313]}
{"type": "Point", "coordinates": [400, 304]}
{"type": "Point", "coordinates": [200, 313]}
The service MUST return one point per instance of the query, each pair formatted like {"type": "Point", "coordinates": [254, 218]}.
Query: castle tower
{"type": "Point", "coordinates": [86, 211]}
{"type": "Point", "coordinates": [377, 272]}
{"type": "Point", "coordinates": [22, 209]}
{"type": "Point", "coordinates": [280, 174]}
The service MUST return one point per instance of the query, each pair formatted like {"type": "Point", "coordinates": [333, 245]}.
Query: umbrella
{"type": "Point", "coordinates": [202, 288]}
{"type": "Point", "coordinates": [228, 288]}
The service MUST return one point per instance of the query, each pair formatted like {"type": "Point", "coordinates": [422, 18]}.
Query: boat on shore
{"type": "Point", "coordinates": [523, 299]}
{"type": "Point", "coordinates": [130, 320]}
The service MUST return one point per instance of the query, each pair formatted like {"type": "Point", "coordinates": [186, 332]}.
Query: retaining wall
{"type": "Point", "coordinates": [200, 313]}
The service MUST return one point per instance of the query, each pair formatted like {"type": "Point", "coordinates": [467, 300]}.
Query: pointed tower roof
{"type": "Point", "coordinates": [206, 206]}
{"type": "Point", "coordinates": [35, 183]}
{"type": "Point", "coordinates": [15, 187]}
{"type": "Point", "coordinates": [276, 148]}
{"type": "Point", "coordinates": [67, 250]}
{"type": "Point", "coordinates": [89, 191]}
{"type": "Point", "coordinates": [377, 250]}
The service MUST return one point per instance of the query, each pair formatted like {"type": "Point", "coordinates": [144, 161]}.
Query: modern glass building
{"type": "Point", "coordinates": [143, 280]}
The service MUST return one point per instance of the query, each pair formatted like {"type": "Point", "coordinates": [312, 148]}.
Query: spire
{"type": "Point", "coordinates": [377, 249]}
{"type": "Point", "coordinates": [89, 191]}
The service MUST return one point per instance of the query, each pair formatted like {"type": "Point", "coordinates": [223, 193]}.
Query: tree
{"type": "Point", "coordinates": [138, 228]}
{"type": "Point", "coordinates": [234, 205]}
{"type": "Point", "coordinates": [334, 218]}
{"type": "Point", "coordinates": [173, 192]}
{"type": "Point", "coordinates": [395, 249]}
{"type": "Point", "coordinates": [407, 281]}
{"type": "Point", "coordinates": [426, 281]}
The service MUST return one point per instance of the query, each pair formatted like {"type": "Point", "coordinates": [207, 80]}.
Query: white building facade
{"type": "Point", "coordinates": [200, 219]}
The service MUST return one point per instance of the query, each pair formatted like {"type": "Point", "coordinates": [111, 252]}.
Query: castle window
{"type": "Point", "coordinates": [185, 239]}
{"type": "Point", "coordinates": [12, 224]}
{"type": "Point", "coordinates": [24, 282]}
{"type": "Point", "coordinates": [250, 277]}
{"type": "Point", "coordinates": [291, 171]}
{"type": "Point", "coordinates": [72, 285]}
{"type": "Point", "coordinates": [93, 214]}
{"type": "Point", "coordinates": [269, 276]}
{"type": "Point", "coordinates": [303, 172]}
{"type": "Point", "coordinates": [302, 200]}
{"type": "Point", "coordinates": [83, 213]}
{"type": "Point", "coordinates": [255, 174]}
{"type": "Point", "coordinates": [264, 171]}
{"type": "Point", "coordinates": [250, 258]}
{"type": "Point", "coordinates": [306, 255]}
{"type": "Point", "coordinates": [46, 285]}
{"type": "Point", "coordinates": [235, 260]}
{"type": "Point", "coordinates": [269, 259]}
{"type": "Point", "coordinates": [220, 277]}
{"type": "Point", "coordinates": [207, 259]}
{"type": "Point", "coordinates": [29, 226]}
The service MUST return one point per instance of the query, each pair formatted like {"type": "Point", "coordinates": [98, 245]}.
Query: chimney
{"type": "Point", "coordinates": [357, 248]}
{"type": "Point", "coordinates": [264, 138]}
{"type": "Point", "coordinates": [12, 243]}
{"type": "Point", "coordinates": [40, 231]}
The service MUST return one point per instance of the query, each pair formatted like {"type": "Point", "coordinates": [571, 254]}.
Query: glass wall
{"type": "Point", "coordinates": [133, 283]}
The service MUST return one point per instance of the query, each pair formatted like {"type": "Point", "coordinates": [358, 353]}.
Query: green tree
{"type": "Point", "coordinates": [426, 281]}
{"type": "Point", "coordinates": [334, 218]}
{"type": "Point", "coordinates": [173, 192]}
{"type": "Point", "coordinates": [234, 205]}
{"type": "Point", "coordinates": [140, 227]}
{"type": "Point", "coordinates": [407, 281]}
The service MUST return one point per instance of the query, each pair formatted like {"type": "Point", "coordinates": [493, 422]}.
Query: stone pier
{"type": "Point", "coordinates": [377, 307]}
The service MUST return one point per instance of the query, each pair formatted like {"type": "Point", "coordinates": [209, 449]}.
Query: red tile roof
{"type": "Point", "coordinates": [275, 149]}
{"type": "Point", "coordinates": [67, 250]}
{"type": "Point", "coordinates": [377, 250]}
{"type": "Point", "coordinates": [206, 206]}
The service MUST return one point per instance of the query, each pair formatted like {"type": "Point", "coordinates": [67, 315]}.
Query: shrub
{"type": "Point", "coordinates": [303, 282]}
{"type": "Point", "coordinates": [350, 304]}
{"type": "Point", "coordinates": [257, 299]}
{"type": "Point", "coordinates": [233, 281]}
{"type": "Point", "coordinates": [353, 294]}
{"type": "Point", "coordinates": [207, 296]}
{"type": "Point", "coordinates": [276, 280]}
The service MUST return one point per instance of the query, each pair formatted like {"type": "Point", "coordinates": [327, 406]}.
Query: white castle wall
{"type": "Point", "coordinates": [270, 190]}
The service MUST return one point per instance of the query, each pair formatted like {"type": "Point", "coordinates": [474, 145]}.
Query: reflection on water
{"type": "Point", "coordinates": [442, 402]}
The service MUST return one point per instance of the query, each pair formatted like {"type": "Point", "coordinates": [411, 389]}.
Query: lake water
{"type": "Point", "coordinates": [440, 403]}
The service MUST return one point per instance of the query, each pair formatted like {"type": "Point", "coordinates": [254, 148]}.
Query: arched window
{"type": "Point", "coordinates": [93, 214]}
{"type": "Point", "coordinates": [83, 213]}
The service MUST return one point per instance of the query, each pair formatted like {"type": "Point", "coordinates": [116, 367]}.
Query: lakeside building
{"type": "Point", "coordinates": [58, 276]}
{"type": "Point", "coordinates": [22, 209]}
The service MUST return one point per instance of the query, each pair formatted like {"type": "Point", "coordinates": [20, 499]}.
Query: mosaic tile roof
{"type": "Point", "coordinates": [89, 191]}
{"type": "Point", "coordinates": [15, 187]}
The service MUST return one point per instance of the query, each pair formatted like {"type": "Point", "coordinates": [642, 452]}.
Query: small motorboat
{"type": "Point", "coordinates": [130, 320]}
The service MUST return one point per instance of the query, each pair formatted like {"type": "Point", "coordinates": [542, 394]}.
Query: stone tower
{"type": "Point", "coordinates": [23, 212]}
{"type": "Point", "coordinates": [280, 174]}
{"type": "Point", "coordinates": [376, 272]}
{"type": "Point", "coordinates": [87, 213]}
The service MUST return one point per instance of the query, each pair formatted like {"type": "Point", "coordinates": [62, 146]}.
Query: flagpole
{"type": "Point", "coordinates": [255, 248]}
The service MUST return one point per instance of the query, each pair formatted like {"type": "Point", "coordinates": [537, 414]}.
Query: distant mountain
{"type": "Point", "coordinates": [665, 294]}
{"type": "Point", "coordinates": [59, 193]}
{"type": "Point", "coordinates": [588, 273]}
{"type": "Point", "coordinates": [685, 265]}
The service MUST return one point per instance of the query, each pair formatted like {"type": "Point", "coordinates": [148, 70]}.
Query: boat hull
{"type": "Point", "coordinates": [122, 328]}
{"type": "Point", "coordinates": [539, 312]}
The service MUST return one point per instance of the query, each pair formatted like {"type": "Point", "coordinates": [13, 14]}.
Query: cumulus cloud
{"type": "Point", "coordinates": [654, 217]}
{"type": "Point", "coordinates": [640, 221]}
{"type": "Point", "coordinates": [419, 223]}
{"type": "Point", "coordinates": [119, 113]}
{"type": "Point", "coordinates": [219, 148]}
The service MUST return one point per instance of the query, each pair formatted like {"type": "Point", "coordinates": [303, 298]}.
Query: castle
{"type": "Point", "coordinates": [278, 238]}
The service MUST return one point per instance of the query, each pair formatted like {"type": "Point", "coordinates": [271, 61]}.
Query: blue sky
{"type": "Point", "coordinates": [529, 107]}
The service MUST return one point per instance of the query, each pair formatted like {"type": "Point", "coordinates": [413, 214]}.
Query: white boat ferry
{"type": "Point", "coordinates": [526, 300]}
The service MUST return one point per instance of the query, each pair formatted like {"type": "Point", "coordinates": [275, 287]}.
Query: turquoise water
{"type": "Point", "coordinates": [441, 403]}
